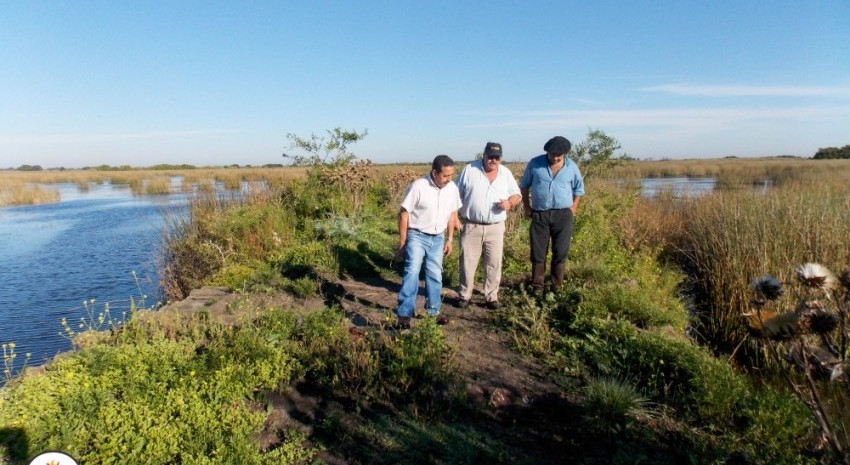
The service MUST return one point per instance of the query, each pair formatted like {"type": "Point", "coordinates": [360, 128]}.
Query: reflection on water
{"type": "Point", "coordinates": [101, 243]}
{"type": "Point", "coordinates": [678, 186]}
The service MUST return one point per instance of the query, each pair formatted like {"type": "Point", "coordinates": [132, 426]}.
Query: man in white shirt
{"type": "Point", "coordinates": [488, 191]}
{"type": "Point", "coordinates": [429, 207]}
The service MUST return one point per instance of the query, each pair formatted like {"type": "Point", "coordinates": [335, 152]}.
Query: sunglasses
{"type": "Point", "coordinates": [493, 157]}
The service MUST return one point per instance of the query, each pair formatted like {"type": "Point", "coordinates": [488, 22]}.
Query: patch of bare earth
{"type": "Point", "coordinates": [508, 397]}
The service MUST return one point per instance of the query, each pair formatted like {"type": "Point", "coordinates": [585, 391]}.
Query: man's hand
{"type": "Point", "coordinates": [447, 249]}
{"type": "Point", "coordinates": [526, 210]}
{"type": "Point", "coordinates": [505, 205]}
{"type": "Point", "coordinates": [398, 256]}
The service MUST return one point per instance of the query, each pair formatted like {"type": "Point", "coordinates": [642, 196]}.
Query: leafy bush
{"type": "Point", "coordinates": [150, 402]}
{"type": "Point", "coordinates": [305, 258]}
{"type": "Point", "coordinates": [413, 366]}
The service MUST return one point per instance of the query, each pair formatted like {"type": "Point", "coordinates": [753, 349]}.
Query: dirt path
{"type": "Point", "coordinates": [509, 394]}
{"type": "Point", "coordinates": [491, 369]}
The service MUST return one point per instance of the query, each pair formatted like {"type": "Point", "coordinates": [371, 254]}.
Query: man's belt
{"type": "Point", "coordinates": [465, 220]}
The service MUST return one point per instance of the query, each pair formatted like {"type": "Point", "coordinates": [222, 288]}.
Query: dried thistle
{"type": "Point", "coordinates": [767, 287]}
{"type": "Point", "coordinates": [815, 275]}
{"type": "Point", "coordinates": [814, 318]}
{"type": "Point", "coordinates": [782, 326]}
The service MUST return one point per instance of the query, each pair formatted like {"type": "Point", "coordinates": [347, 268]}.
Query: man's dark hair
{"type": "Point", "coordinates": [558, 145]}
{"type": "Point", "coordinates": [440, 162]}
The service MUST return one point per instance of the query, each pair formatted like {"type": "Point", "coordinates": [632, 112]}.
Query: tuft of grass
{"type": "Point", "coordinates": [612, 406]}
{"type": "Point", "coordinates": [19, 193]}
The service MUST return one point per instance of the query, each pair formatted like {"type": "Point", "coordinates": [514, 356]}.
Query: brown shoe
{"type": "Point", "coordinates": [403, 323]}
{"type": "Point", "coordinates": [442, 320]}
{"type": "Point", "coordinates": [462, 303]}
{"type": "Point", "coordinates": [493, 305]}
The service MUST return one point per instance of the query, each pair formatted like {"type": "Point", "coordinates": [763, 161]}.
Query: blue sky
{"type": "Point", "coordinates": [214, 83]}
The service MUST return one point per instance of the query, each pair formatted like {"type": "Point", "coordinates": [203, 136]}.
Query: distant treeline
{"type": "Point", "coordinates": [160, 167]}
{"type": "Point", "coordinates": [833, 153]}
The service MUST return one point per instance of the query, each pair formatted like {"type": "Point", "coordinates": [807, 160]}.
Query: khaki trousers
{"type": "Point", "coordinates": [475, 240]}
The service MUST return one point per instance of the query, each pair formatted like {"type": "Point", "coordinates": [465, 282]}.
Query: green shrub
{"type": "Point", "coordinates": [145, 403]}
{"type": "Point", "coordinates": [420, 363]}
{"type": "Point", "coordinates": [336, 361]}
{"type": "Point", "coordinates": [234, 276]}
{"type": "Point", "coordinates": [672, 371]}
{"type": "Point", "coordinates": [303, 287]}
{"type": "Point", "coordinates": [634, 304]}
{"type": "Point", "coordinates": [304, 258]}
{"type": "Point", "coordinates": [154, 401]}
{"type": "Point", "coordinates": [413, 366]}
{"type": "Point", "coordinates": [777, 427]}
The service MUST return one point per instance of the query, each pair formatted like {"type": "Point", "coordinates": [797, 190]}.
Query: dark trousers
{"type": "Point", "coordinates": [556, 225]}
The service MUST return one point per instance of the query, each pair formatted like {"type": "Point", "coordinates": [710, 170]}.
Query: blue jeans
{"type": "Point", "coordinates": [427, 248]}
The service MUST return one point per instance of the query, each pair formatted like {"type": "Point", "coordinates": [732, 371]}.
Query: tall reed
{"type": "Point", "coordinates": [729, 238]}
{"type": "Point", "coordinates": [738, 171]}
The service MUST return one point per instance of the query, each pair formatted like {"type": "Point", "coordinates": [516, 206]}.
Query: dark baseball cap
{"type": "Point", "coordinates": [493, 149]}
{"type": "Point", "coordinates": [558, 145]}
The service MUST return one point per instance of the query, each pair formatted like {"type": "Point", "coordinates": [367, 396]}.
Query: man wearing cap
{"type": "Point", "coordinates": [556, 186]}
{"type": "Point", "coordinates": [488, 191]}
{"type": "Point", "coordinates": [430, 205]}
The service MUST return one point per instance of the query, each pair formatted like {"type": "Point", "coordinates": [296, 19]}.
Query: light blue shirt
{"type": "Point", "coordinates": [480, 197]}
{"type": "Point", "coordinates": [548, 192]}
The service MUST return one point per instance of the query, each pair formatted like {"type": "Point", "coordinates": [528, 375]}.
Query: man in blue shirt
{"type": "Point", "coordinates": [556, 186]}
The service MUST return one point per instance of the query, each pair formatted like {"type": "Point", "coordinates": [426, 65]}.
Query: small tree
{"type": "Point", "coordinates": [317, 150]}
{"type": "Point", "coordinates": [333, 166]}
{"type": "Point", "coordinates": [597, 154]}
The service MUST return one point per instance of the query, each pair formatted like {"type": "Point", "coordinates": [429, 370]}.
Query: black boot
{"type": "Point", "coordinates": [557, 276]}
{"type": "Point", "coordinates": [538, 272]}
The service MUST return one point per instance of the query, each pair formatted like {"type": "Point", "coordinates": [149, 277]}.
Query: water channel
{"type": "Point", "coordinates": [72, 259]}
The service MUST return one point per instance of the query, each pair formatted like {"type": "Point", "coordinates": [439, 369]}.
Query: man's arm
{"type": "Point", "coordinates": [574, 207]}
{"type": "Point", "coordinates": [526, 202]}
{"type": "Point", "coordinates": [447, 248]}
{"type": "Point", "coordinates": [403, 218]}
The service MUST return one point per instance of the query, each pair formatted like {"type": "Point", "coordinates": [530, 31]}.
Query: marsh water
{"type": "Point", "coordinates": [97, 249]}
{"type": "Point", "coordinates": [677, 186]}
{"type": "Point", "coordinates": [73, 259]}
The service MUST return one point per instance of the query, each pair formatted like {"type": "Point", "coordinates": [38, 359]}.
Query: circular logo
{"type": "Point", "coordinates": [53, 458]}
